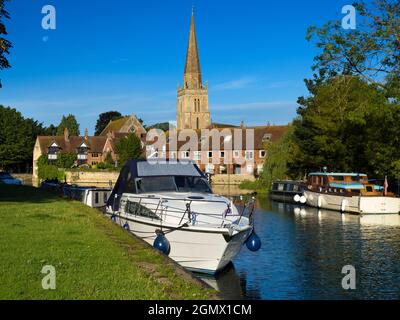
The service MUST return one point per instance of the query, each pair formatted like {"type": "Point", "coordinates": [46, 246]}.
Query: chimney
{"type": "Point", "coordinates": [86, 134]}
{"type": "Point", "coordinates": [242, 124]}
{"type": "Point", "coordinates": [66, 134]}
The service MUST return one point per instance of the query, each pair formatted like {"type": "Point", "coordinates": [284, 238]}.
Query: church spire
{"type": "Point", "coordinates": [192, 76]}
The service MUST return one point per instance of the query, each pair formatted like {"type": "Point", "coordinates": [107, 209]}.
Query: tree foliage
{"type": "Point", "coordinates": [104, 119]}
{"type": "Point", "coordinates": [347, 125]}
{"type": "Point", "coordinates": [164, 126]}
{"type": "Point", "coordinates": [129, 148]}
{"type": "Point", "coordinates": [17, 137]}
{"type": "Point", "coordinates": [371, 51]}
{"type": "Point", "coordinates": [66, 160]}
{"type": "Point", "coordinates": [47, 171]}
{"type": "Point", "coordinates": [278, 156]}
{"type": "Point", "coordinates": [5, 44]}
{"type": "Point", "coordinates": [70, 123]}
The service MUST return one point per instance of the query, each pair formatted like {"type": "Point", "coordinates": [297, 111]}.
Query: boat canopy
{"type": "Point", "coordinates": [347, 185]}
{"type": "Point", "coordinates": [136, 169]}
{"type": "Point", "coordinates": [334, 174]}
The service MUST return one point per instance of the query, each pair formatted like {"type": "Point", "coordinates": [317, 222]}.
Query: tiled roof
{"type": "Point", "coordinates": [94, 143]}
{"type": "Point", "coordinates": [115, 125]}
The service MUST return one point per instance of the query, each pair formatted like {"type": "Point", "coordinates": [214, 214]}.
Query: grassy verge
{"type": "Point", "coordinates": [93, 258]}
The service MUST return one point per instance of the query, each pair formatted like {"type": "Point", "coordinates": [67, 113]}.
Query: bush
{"type": "Point", "coordinates": [47, 171]}
{"type": "Point", "coordinates": [65, 160]}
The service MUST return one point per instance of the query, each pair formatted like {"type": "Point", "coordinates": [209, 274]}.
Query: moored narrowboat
{"type": "Point", "coordinates": [287, 191]}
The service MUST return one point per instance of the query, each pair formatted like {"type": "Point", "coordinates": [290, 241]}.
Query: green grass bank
{"type": "Point", "coordinates": [93, 257]}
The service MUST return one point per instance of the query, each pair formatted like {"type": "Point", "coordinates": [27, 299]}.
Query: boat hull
{"type": "Point", "coordinates": [354, 204]}
{"type": "Point", "coordinates": [196, 249]}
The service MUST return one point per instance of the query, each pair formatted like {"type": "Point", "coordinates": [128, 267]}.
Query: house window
{"type": "Point", "coordinates": [236, 154]}
{"type": "Point", "coordinates": [185, 154]}
{"type": "Point", "coordinates": [172, 155]}
{"type": "Point", "coordinates": [249, 155]}
{"type": "Point", "coordinates": [210, 154]}
{"type": "Point", "coordinates": [197, 155]}
{"type": "Point", "coordinates": [52, 152]}
{"type": "Point", "coordinates": [263, 153]}
{"type": "Point", "coordinates": [222, 154]}
{"type": "Point", "coordinates": [95, 155]}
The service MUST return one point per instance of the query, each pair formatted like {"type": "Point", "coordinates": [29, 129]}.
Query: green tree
{"type": "Point", "coordinates": [279, 155]}
{"type": "Point", "coordinates": [51, 130]}
{"type": "Point", "coordinates": [70, 123]}
{"type": "Point", "coordinates": [17, 137]}
{"type": "Point", "coordinates": [129, 148]}
{"type": "Point", "coordinates": [346, 125]}
{"type": "Point", "coordinates": [109, 160]}
{"type": "Point", "coordinates": [104, 119]}
{"type": "Point", "coordinates": [371, 51]}
{"type": "Point", "coordinates": [164, 126]}
{"type": "Point", "coordinates": [5, 44]}
{"type": "Point", "coordinates": [47, 171]}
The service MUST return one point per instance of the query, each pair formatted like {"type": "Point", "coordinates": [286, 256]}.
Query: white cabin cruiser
{"type": "Point", "coordinates": [171, 206]}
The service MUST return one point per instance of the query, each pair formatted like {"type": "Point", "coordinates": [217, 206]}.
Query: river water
{"type": "Point", "coordinates": [303, 253]}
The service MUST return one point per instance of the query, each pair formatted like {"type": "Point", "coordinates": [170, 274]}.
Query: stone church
{"type": "Point", "coordinates": [192, 103]}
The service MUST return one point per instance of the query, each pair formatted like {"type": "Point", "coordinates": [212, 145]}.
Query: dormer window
{"type": "Point", "coordinates": [267, 137]}
{"type": "Point", "coordinates": [82, 153]}
{"type": "Point", "coordinates": [52, 152]}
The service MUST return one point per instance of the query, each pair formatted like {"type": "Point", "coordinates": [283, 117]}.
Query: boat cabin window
{"type": "Point", "coordinates": [281, 186]}
{"type": "Point", "coordinates": [274, 186]}
{"type": "Point", "coordinates": [355, 190]}
{"type": "Point", "coordinates": [295, 187]}
{"type": "Point", "coordinates": [172, 184]}
{"type": "Point", "coordinates": [338, 178]}
{"type": "Point", "coordinates": [139, 210]}
{"type": "Point", "coordinates": [96, 197]}
{"type": "Point", "coordinates": [369, 189]}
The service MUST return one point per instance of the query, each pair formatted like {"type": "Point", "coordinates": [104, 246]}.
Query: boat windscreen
{"type": "Point", "coordinates": [172, 184]}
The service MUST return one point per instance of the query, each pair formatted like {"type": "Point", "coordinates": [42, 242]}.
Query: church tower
{"type": "Point", "coordinates": [192, 102]}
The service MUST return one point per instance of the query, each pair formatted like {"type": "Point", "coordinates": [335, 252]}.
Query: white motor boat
{"type": "Point", "coordinates": [170, 205]}
{"type": "Point", "coordinates": [349, 192]}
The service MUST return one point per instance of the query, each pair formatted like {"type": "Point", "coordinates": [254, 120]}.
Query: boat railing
{"type": "Point", "coordinates": [187, 214]}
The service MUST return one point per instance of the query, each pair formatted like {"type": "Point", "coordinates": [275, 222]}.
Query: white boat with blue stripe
{"type": "Point", "coordinates": [349, 192]}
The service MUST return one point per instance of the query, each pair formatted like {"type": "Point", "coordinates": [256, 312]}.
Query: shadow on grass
{"type": "Point", "coordinates": [10, 193]}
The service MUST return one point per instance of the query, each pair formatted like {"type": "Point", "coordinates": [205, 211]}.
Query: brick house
{"type": "Point", "coordinates": [233, 150]}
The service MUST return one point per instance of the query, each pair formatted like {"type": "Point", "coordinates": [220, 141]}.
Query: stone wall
{"type": "Point", "coordinates": [103, 178]}
{"type": "Point", "coordinates": [231, 179]}
{"type": "Point", "coordinates": [92, 178]}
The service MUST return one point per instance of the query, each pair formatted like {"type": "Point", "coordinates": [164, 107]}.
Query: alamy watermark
{"type": "Point", "coordinates": [349, 20]}
{"type": "Point", "coordinates": [49, 280]}
{"type": "Point", "coordinates": [349, 280]}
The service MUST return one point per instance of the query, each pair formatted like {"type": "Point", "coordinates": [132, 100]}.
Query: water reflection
{"type": "Point", "coordinates": [304, 250]}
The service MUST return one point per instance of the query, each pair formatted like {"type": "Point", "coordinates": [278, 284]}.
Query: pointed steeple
{"type": "Point", "coordinates": [192, 76]}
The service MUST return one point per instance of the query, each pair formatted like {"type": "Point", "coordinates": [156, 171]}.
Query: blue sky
{"type": "Point", "coordinates": [129, 56]}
